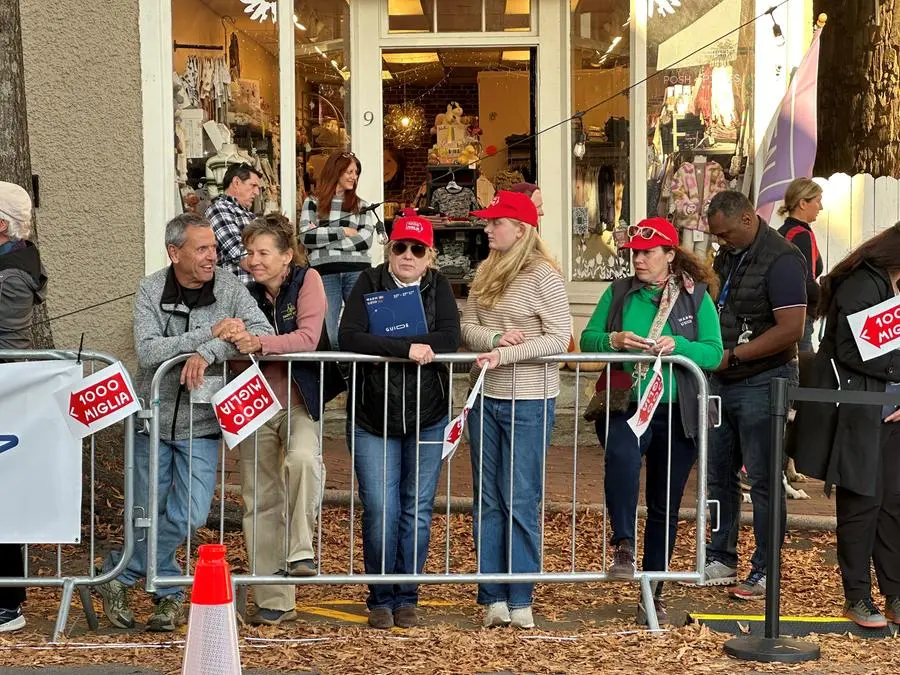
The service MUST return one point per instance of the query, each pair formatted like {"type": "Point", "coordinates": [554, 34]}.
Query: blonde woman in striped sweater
{"type": "Point", "coordinates": [517, 310]}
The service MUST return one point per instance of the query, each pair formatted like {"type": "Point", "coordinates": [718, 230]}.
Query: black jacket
{"type": "Point", "coordinates": [23, 284]}
{"type": "Point", "coordinates": [803, 239]}
{"type": "Point", "coordinates": [442, 316]}
{"type": "Point", "coordinates": [747, 300]}
{"type": "Point", "coordinates": [841, 444]}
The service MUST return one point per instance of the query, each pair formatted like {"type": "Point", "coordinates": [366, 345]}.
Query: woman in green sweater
{"type": "Point", "coordinates": [665, 308]}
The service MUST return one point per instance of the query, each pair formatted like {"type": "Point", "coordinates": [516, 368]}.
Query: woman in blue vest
{"type": "Point", "coordinates": [665, 308]}
{"type": "Point", "coordinates": [397, 414]}
{"type": "Point", "coordinates": [281, 465]}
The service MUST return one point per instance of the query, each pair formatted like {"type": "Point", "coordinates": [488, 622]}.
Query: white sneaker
{"type": "Point", "coordinates": [521, 617]}
{"type": "Point", "coordinates": [496, 614]}
{"type": "Point", "coordinates": [716, 574]}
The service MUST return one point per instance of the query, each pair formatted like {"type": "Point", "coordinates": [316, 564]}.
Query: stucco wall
{"type": "Point", "coordinates": [83, 89]}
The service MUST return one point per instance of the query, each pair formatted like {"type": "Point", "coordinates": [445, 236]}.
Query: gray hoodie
{"type": "Point", "coordinates": [165, 327]}
{"type": "Point", "coordinates": [23, 284]}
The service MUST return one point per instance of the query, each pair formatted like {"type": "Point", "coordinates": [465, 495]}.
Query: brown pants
{"type": "Point", "coordinates": [868, 528]}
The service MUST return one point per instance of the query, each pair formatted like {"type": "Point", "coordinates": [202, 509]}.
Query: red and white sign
{"type": "Point", "coordinates": [243, 405]}
{"type": "Point", "coordinates": [649, 401]}
{"type": "Point", "coordinates": [98, 401]}
{"type": "Point", "coordinates": [454, 430]}
{"type": "Point", "coordinates": [877, 329]}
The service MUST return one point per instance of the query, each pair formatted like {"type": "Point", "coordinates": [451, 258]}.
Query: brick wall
{"type": "Point", "coordinates": [465, 93]}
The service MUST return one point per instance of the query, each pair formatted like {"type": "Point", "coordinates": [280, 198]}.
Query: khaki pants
{"type": "Point", "coordinates": [285, 467]}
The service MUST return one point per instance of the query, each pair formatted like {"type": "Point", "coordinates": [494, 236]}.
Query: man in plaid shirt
{"type": "Point", "coordinates": [230, 213]}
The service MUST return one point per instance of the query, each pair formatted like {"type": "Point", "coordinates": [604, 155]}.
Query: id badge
{"type": "Point", "coordinates": [205, 392]}
{"type": "Point", "coordinates": [746, 334]}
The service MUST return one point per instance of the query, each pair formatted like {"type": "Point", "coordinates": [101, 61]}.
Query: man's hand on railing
{"type": "Point", "coordinates": [192, 372]}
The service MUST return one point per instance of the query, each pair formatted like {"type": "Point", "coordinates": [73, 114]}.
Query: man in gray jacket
{"type": "Point", "coordinates": [23, 283]}
{"type": "Point", "coordinates": [184, 309]}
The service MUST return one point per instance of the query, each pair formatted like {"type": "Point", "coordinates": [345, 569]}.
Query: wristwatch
{"type": "Point", "coordinates": [733, 360]}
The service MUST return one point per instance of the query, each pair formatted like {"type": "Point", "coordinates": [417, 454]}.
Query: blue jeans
{"type": "Point", "coordinates": [622, 477]}
{"type": "Point", "coordinates": [174, 479]}
{"type": "Point", "coordinates": [743, 439]}
{"type": "Point", "coordinates": [337, 289]}
{"type": "Point", "coordinates": [395, 513]}
{"type": "Point", "coordinates": [507, 484]}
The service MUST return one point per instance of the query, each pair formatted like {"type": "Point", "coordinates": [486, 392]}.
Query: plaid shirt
{"type": "Point", "coordinates": [327, 242]}
{"type": "Point", "coordinates": [228, 220]}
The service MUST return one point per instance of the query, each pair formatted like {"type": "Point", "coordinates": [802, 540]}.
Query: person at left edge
{"type": "Point", "coordinates": [230, 213]}
{"type": "Point", "coordinates": [402, 483]}
{"type": "Point", "coordinates": [23, 284]}
{"type": "Point", "coordinates": [185, 308]}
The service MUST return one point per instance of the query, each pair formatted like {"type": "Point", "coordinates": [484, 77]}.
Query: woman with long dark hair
{"type": "Point", "coordinates": [337, 233]}
{"type": "Point", "coordinates": [857, 447]}
{"type": "Point", "coordinates": [665, 308]}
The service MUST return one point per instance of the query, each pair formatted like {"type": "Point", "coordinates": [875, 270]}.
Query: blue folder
{"type": "Point", "coordinates": [396, 313]}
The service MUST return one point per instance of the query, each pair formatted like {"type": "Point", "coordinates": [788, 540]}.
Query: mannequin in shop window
{"type": "Point", "coordinates": [693, 186]}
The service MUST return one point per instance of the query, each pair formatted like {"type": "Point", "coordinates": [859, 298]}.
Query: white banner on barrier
{"type": "Point", "coordinates": [40, 459]}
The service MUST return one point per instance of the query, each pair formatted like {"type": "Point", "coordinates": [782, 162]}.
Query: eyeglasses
{"type": "Point", "coordinates": [418, 250]}
{"type": "Point", "coordinates": [345, 155]}
{"type": "Point", "coordinates": [644, 232]}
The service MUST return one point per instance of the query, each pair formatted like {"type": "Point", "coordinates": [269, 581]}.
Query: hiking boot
{"type": "Point", "coordinates": [496, 614]}
{"type": "Point", "coordinates": [381, 618]}
{"type": "Point", "coordinates": [406, 617]}
{"type": "Point", "coordinates": [303, 568]}
{"type": "Point", "coordinates": [271, 617]}
{"type": "Point", "coordinates": [623, 562]}
{"type": "Point", "coordinates": [864, 613]}
{"type": "Point", "coordinates": [752, 588]}
{"type": "Point", "coordinates": [115, 603]}
{"type": "Point", "coordinates": [662, 616]}
{"type": "Point", "coordinates": [11, 620]}
{"type": "Point", "coordinates": [891, 609]}
{"type": "Point", "coordinates": [715, 574]}
{"type": "Point", "coordinates": [168, 615]}
{"type": "Point", "coordinates": [521, 617]}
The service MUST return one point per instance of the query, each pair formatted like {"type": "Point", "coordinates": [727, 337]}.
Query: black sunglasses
{"type": "Point", "coordinates": [418, 250]}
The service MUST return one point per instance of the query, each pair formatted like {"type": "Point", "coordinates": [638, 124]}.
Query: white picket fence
{"type": "Point", "coordinates": [856, 209]}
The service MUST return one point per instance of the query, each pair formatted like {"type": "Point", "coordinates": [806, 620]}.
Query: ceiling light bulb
{"type": "Point", "coordinates": [579, 148]}
{"type": "Point", "coordinates": [779, 36]}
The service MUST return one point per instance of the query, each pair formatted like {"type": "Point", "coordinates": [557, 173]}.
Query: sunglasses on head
{"type": "Point", "coordinates": [418, 250]}
{"type": "Point", "coordinates": [643, 232]}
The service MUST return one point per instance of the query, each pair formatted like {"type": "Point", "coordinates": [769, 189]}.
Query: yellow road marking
{"type": "Point", "coordinates": [334, 614]}
{"type": "Point", "coordinates": [427, 603]}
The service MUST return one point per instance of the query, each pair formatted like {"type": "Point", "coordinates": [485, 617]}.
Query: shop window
{"type": "Point", "coordinates": [600, 77]}
{"type": "Point", "coordinates": [450, 116]}
{"type": "Point", "coordinates": [228, 99]}
{"type": "Point", "coordinates": [458, 16]}
{"type": "Point", "coordinates": [699, 112]}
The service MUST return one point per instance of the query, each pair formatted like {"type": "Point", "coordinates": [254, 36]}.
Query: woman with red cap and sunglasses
{"type": "Point", "coordinates": [517, 310]}
{"type": "Point", "coordinates": [665, 308]}
{"type": "Point", "coordinates": [397, 457]}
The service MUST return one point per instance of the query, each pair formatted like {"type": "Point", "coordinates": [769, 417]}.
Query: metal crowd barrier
{"type": "Point", "coordinates": [65, 576]}
{"type": "Point", "coordinates": [458, 365]}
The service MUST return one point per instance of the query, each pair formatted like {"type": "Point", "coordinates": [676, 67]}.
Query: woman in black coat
{"type": "Point", "coordinates": [398, 423]}
{"type": "Point", "coordinates": [857, 447]}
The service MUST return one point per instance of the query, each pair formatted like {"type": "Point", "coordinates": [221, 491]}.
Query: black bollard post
{"type": "Point", "coordinates": [772, 647]}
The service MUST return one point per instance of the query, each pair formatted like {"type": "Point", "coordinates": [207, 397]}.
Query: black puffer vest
{"type": "Point", "coordinates": [682, 321]}
{"type": "Point", "coordinates": [404, 401]}
{"type": "Point", "coordinates": [283, 317]}
{"type": "Point", "coordinates": [748, 299]}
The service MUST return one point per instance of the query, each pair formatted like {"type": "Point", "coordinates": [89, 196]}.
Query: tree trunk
{"type": "Point", "coordinates": [859, 88]}
{"type": "Point", "coordinates": [15, 156]}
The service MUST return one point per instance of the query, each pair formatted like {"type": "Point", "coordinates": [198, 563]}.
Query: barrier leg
{"type": "Point", "coordinates": [241, 593]}
{"type": "Point", "coordinates": [773, 647]}
{"type": "Point", "coordinates": [84, 594]}
{"type": "Point", "coordinates": [649, 603]}
{"type": "Point", "coordinates": [62, 617]}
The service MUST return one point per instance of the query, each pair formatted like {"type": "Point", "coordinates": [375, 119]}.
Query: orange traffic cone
{"type": "Point", "coordinates": [212, 639]}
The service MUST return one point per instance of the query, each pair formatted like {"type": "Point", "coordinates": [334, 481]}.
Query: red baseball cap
{"type": "Point", "coordinates": [413, 228]}
{"type": "Point", "coordinates": [511, 205]}
{"type": "Point", "coordinates": [650, 233]}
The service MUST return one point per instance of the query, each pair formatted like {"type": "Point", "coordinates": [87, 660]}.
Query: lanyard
{"type": "Point", "coordinates": [726, 288]}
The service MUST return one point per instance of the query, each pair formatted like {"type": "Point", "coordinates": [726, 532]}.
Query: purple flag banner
{"type": "Point", "coordinates": [791, 150]}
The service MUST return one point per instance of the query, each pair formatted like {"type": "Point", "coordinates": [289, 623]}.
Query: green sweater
{"type": "Point", "coordinates": [637, 316]}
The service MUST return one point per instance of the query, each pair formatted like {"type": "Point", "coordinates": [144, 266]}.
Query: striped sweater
{"type": "Point", "coordinates": [535, 303]}
{"type": "Point", "coordinates": [328, 244]}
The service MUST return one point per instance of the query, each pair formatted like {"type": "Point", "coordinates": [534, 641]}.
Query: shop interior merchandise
{"type": "Point", "coordinates": [226, 93]}
{"type": "Point", "coordinates": [457, 126]}
{"type": "Point", "coordinates": [699, 116]}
